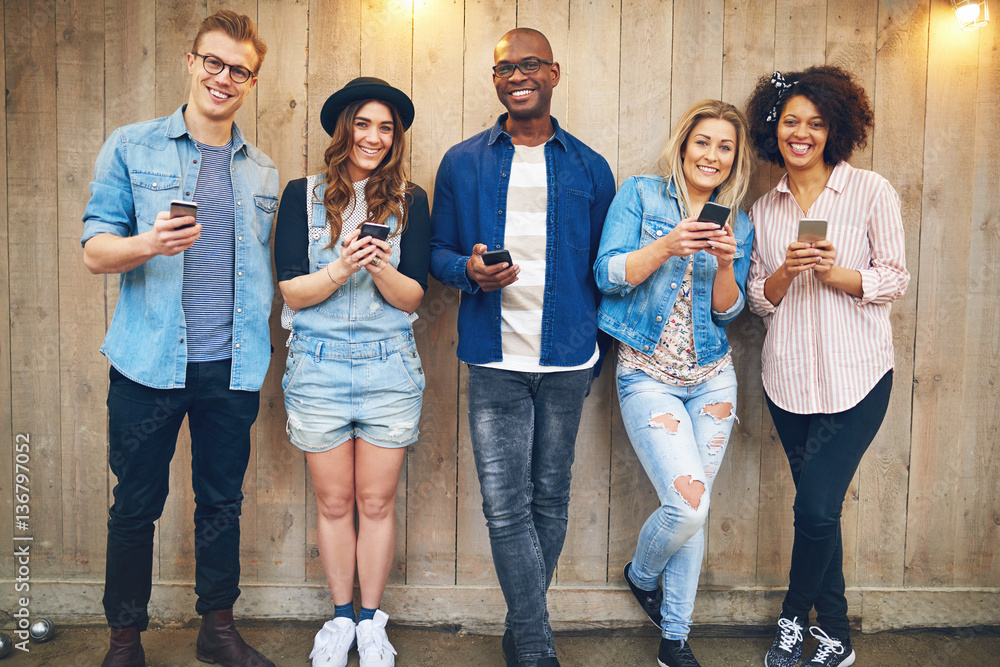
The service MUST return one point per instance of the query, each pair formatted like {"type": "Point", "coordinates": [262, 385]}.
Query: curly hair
{"type": "Point", "coordinates": [386, 189]}
{"type": "Point", "coordinates": [841, 101]}
{"type": "Point", "coordinates": [731, 192]}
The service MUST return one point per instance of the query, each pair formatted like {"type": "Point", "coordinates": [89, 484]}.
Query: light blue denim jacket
{"type": "Point", "coordinates": [643, 210]}
{"type": "Point", "coordinates": [140, 169]}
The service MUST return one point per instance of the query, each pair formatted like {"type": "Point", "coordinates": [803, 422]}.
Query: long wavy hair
{"type": "Point", "coordinates": [386, 189]}
{"type": "Point", "coordinates": [734, 188]}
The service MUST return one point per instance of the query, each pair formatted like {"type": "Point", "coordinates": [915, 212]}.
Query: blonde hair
{"type": "Point", "coordinates": [385, 191]}
{"type": "Point", "coordinates": [734, 188]}
{"type": "Point", "coordinates": [238, 27]}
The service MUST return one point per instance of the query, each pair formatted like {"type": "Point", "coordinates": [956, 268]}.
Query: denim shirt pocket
{"type": "Point", "coordinates": [152, 193]}
{"type": "Point", "coordinates": [576, 213]}
{"type": "Point", "coordinates": [265, 208]}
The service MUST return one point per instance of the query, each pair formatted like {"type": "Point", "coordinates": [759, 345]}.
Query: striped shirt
{"type": "Point", "coordinates": [826, 349]}
{"type": "Point", "coordinates": [524, 237]}
{"type": "Point", "coordinates": [207, 295]}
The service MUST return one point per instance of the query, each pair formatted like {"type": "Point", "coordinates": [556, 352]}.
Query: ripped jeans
{"type": "Point", "coordinates": [680, 436]}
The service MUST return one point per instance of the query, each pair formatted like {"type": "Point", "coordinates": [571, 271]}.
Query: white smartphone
{"type": "Point", "coordinates": [811, 230]}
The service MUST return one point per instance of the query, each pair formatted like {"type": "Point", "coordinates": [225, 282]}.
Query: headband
{"type": "Point", "coordinates": [778, 81]}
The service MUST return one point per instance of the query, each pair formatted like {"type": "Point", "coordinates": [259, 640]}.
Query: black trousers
{"type": "Point", "coordinates": [824, 451]}
{"type": "Point", "coordinates": [142, 426]}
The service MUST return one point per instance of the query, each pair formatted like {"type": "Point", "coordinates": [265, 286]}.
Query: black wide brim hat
{"type": "Point", "coordinates": [365, 88]}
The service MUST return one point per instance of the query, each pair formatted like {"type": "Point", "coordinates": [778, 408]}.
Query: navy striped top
{"type": "Point", "coordinates": [207, 296]}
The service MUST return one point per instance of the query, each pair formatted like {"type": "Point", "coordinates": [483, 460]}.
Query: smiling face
{"type": "Point", "coordinates": [525, 96]}
{"type": "Point", "coordinates": [216, 97]}
{"type": "Point", "coordinates": [802, 135]}
{"type": "Point", "coordinates": [708, 156]}
{"type": "Point", "coordinates": [373, 131]}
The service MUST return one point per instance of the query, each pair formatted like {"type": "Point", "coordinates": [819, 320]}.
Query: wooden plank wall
{"type": "Point", "coordinates": [922, 517]}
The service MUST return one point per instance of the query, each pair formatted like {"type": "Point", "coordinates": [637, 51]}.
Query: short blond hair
{"type": "Point", "coordinates": [237, 26]}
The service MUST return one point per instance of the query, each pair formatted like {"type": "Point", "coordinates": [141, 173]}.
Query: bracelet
{"type": "Point", "coordinates": [330, 276]}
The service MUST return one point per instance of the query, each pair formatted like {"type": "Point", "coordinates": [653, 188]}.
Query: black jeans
{"type": "Point", "coordinates": [142, 430]}
{"type": "Point", "coordinates": [824, 451]}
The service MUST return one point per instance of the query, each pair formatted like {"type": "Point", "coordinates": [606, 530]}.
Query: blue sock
{"type": "Point", "coordinates": [366, 614]}
{"type": "Point", "coordinates": [344, 611]}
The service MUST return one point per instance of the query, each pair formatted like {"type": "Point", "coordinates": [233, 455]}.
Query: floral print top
{"type": "Point", "coordinates": [673, 361]}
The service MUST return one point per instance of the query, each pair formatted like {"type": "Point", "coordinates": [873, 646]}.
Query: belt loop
{"type": "Point", "coordinates": [319, 352]}
{"type": "Point", "coordinates": [382, 348]}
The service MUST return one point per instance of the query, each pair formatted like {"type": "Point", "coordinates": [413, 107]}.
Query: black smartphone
{"type": "Point", "coordinates": [180, 208]}
{"type": "Point", "coordinates": [811, 230]}
{"type": "Point", "coordinates": [375, 230]}
{"type": "Point", "coordinates": [712, 212]}
{"type": "Point", "coordinates": [497, 257]}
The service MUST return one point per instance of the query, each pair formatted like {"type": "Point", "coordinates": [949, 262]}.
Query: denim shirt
{"type": "Point", "coordinates": [140, 169]}
{"type": "Point", "coordinates": [644, 210]}
{"type": "Point", "coordinates": [470, 202]}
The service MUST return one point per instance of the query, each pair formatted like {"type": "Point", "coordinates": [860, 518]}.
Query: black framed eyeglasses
{"type": "Point", "coordinates": [213, 65]}
{"type": "Point", "coordinates": [527, 66]}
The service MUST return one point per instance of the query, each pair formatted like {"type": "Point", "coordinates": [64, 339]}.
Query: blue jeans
{"type": "Point", "coordinates": [142, 431]}
{"type": "Point", "coordinates": [523, 428]}
{"type": "Point", "coordinates": [681, 447]}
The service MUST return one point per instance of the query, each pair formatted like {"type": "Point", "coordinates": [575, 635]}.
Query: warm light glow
{"type": "Point", "coordinates": [971, 14]}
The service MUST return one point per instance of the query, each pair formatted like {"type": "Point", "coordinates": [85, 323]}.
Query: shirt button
{"type": "Point", "coordinates": [154, 185]}
{"type": "Point", "coordinates": [645, 348]}
{"type": "Point", "coordinates": [195, 161]}
{"type": "Point", "coordinates": [188, 193]}
{"type": "Point", "coordinates": [239, 203]}
{"type": "Point", "coordinates": [182, 340]}
{"type": "Point", "coordinates": [673, 285]}
{"type": "Point", "coordinates": [659, 319]}
{"type": "Point", "coordinates": [500, 212]}
{"type": "Point", "coordinates": [503, 175]}
{"type": "Point", "coordinates": [239, 310]}
{"type": "Point", "coordinates": [659, 232]}
{"type": "Point", "coordinates": [239, 238]}
{"type": "Point", "coordinates": [239, 273]}
{"type": "Point", "coordinates": [237, 344]}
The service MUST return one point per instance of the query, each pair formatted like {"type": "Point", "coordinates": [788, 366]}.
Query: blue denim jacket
{"type": "Point", "coordinates": [140, 169]}
{"type": "Point", "coordinates": [470, 201]}
{"type": "Point", "coordinates": [644, 210]}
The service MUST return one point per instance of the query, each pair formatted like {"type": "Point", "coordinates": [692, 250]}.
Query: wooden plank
{"type": "Point", "coordinates": [733, 519]}
{"type": "Point", "coordinates": [176, 24]}
{"type": "Point", "coordinates": [33, 248]}
{"type": "Point", "coordinates": [80, 135]}
{"type": "Point", "coordinates": [900, 82]}
{"type": "Point", "coordinates": [551, 17]}
{"type": "Point", "coordinates": [280, 469]}
{"type": "Point", "coordinates": [644, 101]}
{"type": "Point", "coordinates": [942, 334]}
{"type": "Point", "coordinates": [485, 23]}
{"type": "Point", "coordinates": [698, 46]}
{"type": "Point", "coordinates": [593, 118]}
{"type": "Point", "coordinates": [432, 464]}
{"type": "Point", "coordinates": [386, 52]}
{"type": "Point", "coordinates": [334, 59]}
{"type": "Point", "coordinates": [129, 97]}
{"type": "Point", "coordinates": [850, 40]}
{"type": "Point", "coordinates": [6, 433]}
{"type": "Point", "coordinates": [644, 108]}
{"type": "Point", "coordinates": [799, 41]}
{"type": "Point", "coordinates": [978, 533]}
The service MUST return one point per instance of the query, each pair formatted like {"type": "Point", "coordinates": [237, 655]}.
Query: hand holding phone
{"type": "Point", "coordinates": [179, 208]}
{"type": "Point", "coordinates": [484, 268]}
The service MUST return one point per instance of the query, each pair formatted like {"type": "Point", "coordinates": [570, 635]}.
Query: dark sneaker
{"type": "Point", "coordinates": [508, 648]}
{"type": "Point", "coordinates": [831, 652]}
{"type": "Point", "coordinates": [786, 649]}
{"type": "Point", "coordinates": [648, 600]}
{"type": "Point", "coordinates": [675, 653]}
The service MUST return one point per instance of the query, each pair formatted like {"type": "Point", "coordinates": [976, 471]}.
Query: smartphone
{"type": "Point", "coordinates": [375, 230]}
{"type": "Point", "coordinates": [180, 208]}
{"type": "Point", "coordinates": [497, 257]}
{"type": "Point", "coordinates": [712, 212]}
{"type": "Point", "coordinates": [811, 230]}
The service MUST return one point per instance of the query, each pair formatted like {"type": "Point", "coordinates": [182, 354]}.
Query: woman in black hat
{"type": "Point", "coordinates": [351, 249]}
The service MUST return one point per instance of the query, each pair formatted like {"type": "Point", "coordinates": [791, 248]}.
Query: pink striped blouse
{"type": "Point", "coordinates": [826, 349]}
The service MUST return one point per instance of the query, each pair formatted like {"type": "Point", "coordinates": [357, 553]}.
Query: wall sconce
{"type": "Point", "coordinates": [972, 14]}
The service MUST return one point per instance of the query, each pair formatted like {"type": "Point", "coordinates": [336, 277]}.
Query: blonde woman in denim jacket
{"type": "Point", "coordinates": [671, 284]}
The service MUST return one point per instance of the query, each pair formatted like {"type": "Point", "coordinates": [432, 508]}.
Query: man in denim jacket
{"type": "Point", "coordinates": [527, 327]}
{"type": "Point", "coordinates": [189, 335]}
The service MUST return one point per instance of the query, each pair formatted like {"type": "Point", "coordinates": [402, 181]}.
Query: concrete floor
{"type": "Point", "coordinates": [289, 643]}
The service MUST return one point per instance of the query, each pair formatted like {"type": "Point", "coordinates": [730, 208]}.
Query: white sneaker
{"type": "Point", "coordinates": [332, 643]}
{"type": "Point", "coordinates": [373, 645]}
